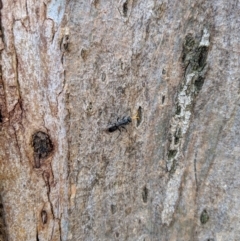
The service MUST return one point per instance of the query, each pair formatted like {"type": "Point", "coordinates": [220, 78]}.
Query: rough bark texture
{"type": "Point", "coordinates": [72, 69]}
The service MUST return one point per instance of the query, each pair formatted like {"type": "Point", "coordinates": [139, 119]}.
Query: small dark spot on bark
{"type": "Point", "coordinates": [145, 194]}
{"type": "Point", "coordinates": [1, 117]}
{"type": "Point", "coordinates": [113, 209]}
{"type": "Point", "coordinates": [199, 83]}
{"type": "Point", "coordinates": [103, 77]}
{"type": "Point", "coordinates": [95, 3]}
{"type": "Point", "coordinates": [120, 91]}
{"type": "Point", "coordinates": [177, 136]}
{"type": "Point", "coordinates": [90, 108]}
{"type": "Point", "coordinates": [178, 110]}
{"type": "Point", "coordinates": [128, 211]}
{"type": "Point", "coordinates": [117, 234]}
{"type": "Point", "coordinates": [202, 56]}
{"type": "Point", "coordinates": [139, 115]}
{"type": "Point", "coordinates": [64, 45]}
{"type": "Point", "coordinates": [163, 99]}
{"type": "Point", "coordinates": [84, 54]}
{"type": "Point", "coordinates": [125, 8]}
{"type": "Point", "coordinates": [173, 167]}
{"type": "Point", "coordinates": [189, 41]}
{"type": "Point", "coordinates": [172, 153]}
{"type": "Point", "coordinates": [176, 140]}
{"type": "Point", "coordinates": [100, 112]}
{"type": "Point", "coordinates": [204, 216]}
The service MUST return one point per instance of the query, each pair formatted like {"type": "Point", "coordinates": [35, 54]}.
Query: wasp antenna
{"type": "Point", "coordinates": [135, 117]}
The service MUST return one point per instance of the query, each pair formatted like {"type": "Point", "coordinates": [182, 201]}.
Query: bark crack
{"type": "Point", "coordinates": [26, 7]}
{"type": "Point", "coordinates": [195, 172]}
{"type": "Point", "coordinates": [17, 75]}
{"type": "Point", "coordinates": [3, 226]}
{"type": "Point", "coordinates": [194, 56]}
{"type": "Point", "coordinates": [17, 142]}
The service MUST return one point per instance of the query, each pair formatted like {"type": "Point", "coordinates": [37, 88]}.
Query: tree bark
{"type": "Point", "coordinates": [70, 70]}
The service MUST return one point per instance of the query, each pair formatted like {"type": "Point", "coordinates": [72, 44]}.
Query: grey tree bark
{"type": "Point", "coordinates": [72, 69]}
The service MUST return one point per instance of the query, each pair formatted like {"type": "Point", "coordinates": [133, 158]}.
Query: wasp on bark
{"type": "Point", "coordinates": [121, 123]}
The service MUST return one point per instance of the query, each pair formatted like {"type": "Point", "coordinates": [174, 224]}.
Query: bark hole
{"type": "Point", "coordinates": [199, 83]}
{"type": "Point", "coordinates": [44, 216]}
{"type": "Point", "coordinates": [204, 216]}
{"type": "Point", "coordinates": [163, 99]}
{"type": "Point", "coordinates": [65, 42]}
{"type": "Point", "coordinates": [139, 115]}
{"type": "Point", "coordinates": [125, 8]}
{"type": "Point", "coordinates": [42, 146]}
{"type": "Point", "coordinates": [145, 194]}
{"type": "Point", "coordinates": [113, 209]}
{"type": "Point", "coordinates": [172, 153]}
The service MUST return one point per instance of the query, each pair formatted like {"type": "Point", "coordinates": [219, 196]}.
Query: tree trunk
{"type": "Point", "coordinates": [119, 120]}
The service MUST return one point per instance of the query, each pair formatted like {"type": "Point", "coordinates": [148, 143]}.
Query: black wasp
{"type": "Point", "coordinates": [120, 124]}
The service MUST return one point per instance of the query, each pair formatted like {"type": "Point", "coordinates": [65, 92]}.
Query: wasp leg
{"type": "Point", "coordinates": [119, 133]}
{"type": "Point", "coordinates": [124, 128]}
